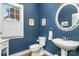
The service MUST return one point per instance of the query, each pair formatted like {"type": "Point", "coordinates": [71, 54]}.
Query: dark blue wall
{"type": "Point", "coordinates": [48, 11]}
{"type": "Point", "coordinates": [39, 11]}
{"type": "Point", "coordinates": [30, 33]}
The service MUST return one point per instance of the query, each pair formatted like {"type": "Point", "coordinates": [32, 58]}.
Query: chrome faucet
{"type": "Point", "coordinates": [65, 38]}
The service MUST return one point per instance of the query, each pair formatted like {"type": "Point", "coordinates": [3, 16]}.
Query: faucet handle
{"type": "Point", "coordinates": [63, 37]}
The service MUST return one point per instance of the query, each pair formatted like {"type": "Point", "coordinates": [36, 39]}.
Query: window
{"type": "Point", "coordinates": [14, 13]}
{"type": "Point", "coordinates": [10, 11]}
{"type": "Point", "coordinates": [13, 22]}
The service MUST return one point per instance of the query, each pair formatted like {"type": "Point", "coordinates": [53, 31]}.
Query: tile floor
{"type": "Point", "coordinates": [29, 54]}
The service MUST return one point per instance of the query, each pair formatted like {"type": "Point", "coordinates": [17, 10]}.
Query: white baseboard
{"type": "Point", "coordinates": [21, 53]}
{"type": "Point", "coordinates": [27, 51]}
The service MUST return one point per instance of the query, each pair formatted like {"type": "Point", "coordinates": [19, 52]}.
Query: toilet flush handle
{"type": "Point", "coordinates": [38, 40]}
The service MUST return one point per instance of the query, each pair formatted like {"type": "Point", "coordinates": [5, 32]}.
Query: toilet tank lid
{"type": "Point", "coordinates": [42, 37]}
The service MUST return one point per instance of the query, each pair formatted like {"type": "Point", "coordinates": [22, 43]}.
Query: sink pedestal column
{"type": "Point", "coordinates": [64, 52]}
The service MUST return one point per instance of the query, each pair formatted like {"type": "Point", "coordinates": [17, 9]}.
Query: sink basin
{"type": "Point", "coordinates": [65, 44]}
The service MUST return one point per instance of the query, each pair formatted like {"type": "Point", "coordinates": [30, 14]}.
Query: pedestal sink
{"type": "Point", "coordinates": [65, 45]}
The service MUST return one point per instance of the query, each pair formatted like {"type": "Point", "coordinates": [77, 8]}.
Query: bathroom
{"type": "Point", "coordinates": [37, 12]}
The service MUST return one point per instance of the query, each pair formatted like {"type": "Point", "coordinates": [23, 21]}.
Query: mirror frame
{"type": "Point", "coordinates": [57, 23]}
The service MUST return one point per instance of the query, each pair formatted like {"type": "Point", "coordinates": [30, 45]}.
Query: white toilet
{"type": "Point", "coordinates": [37, 49]}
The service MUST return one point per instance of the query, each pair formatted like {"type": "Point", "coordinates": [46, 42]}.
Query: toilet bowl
{"type": "Point", "coordinates": [37, 49]}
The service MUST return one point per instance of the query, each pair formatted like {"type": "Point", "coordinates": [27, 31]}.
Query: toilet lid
{"type": "Point", "coordinates": [35, 46]}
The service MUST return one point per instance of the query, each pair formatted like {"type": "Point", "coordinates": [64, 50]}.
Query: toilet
{"type": "Point", "coordinates": [37, 49]}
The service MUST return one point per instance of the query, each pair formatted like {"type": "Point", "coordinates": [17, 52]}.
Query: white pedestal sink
{"type": "Point", "coordinates": [65, 45]}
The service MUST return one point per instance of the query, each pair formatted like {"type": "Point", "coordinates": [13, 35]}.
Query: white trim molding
{"type": "Point", "coordinates": [20, 53]}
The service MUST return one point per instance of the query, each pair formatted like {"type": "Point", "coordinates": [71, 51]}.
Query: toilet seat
{"type": "Point", "coordinates": [35, 47]}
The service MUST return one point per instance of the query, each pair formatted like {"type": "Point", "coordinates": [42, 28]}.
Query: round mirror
{"type": "Point", "coordinates": [67, 17]}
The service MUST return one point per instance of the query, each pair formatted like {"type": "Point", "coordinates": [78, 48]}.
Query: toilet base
{"type": "Point", "coordinates": [38, 53]}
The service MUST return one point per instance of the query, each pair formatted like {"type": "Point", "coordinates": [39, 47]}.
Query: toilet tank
{"type": "Point", "coordinates": [42, 41]}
